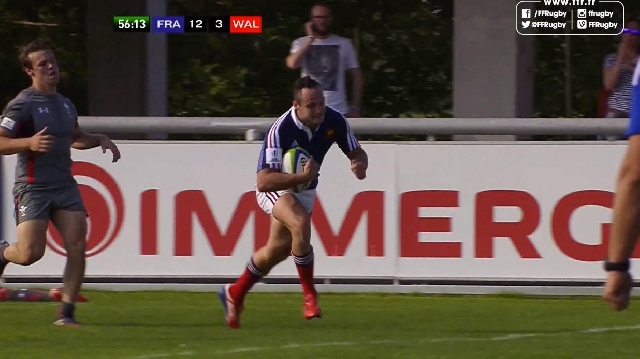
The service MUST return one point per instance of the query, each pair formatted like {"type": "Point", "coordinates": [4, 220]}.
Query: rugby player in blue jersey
{"type": "Point", "coordinates": [315, 127]}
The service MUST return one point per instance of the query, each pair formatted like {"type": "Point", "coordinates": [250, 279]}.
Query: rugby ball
{"type": "Point", "coordinates": [293, 162]}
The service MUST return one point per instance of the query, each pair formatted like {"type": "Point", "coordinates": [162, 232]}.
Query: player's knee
{"type": "Point", "coordinates": [76, 248]}
{"type": "Point", "coordinates": [280, 251]}
{"type": "Point", "coordinates": [301, 227]}
{"type": "Point", "coordinates": [28, 256]}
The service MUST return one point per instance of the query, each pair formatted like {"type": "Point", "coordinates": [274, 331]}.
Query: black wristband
{"type": "Point", "coordinates": [616, 266]}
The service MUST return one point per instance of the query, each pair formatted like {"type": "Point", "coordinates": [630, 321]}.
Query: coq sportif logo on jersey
{"type": "Point", "coordinates": [330, 133]}
{"type": "Point", "coordinates": [105, 205]}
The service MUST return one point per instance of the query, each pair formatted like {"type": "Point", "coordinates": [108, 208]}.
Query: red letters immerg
{"type": "Point", "coordinates": [519, 232]}
{"type": "Point", "coordinates": [411, 225]}
{"type": "Point", "coordinates": [369, 206]}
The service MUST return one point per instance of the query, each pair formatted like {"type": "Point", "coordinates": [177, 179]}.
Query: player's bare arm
{"type": "Point", "coordinates": [625, 226]}
{"type": "Point", "coordinates": [359, 162]}
{"type": "Point", "coordinates": [624, 229]}
{"type": "Point", "coordinates": [40, 142]}
{"type": "Point", "coordinates": [83, 141]}
{"type": "Point", "coordinates": [272, 180]}
{"type": "Point", "coordinates": [626, 211]}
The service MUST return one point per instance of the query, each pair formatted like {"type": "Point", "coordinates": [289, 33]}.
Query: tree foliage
{"type": "Point", "coordinates": [404, 48]}
{"type": "Point", "coordinates": [61, 23]}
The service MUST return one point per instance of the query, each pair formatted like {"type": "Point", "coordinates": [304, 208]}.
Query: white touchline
{"type": "Point", "coordinates": [166, 355]}
{"type": "Point", "coordinates": [513, 336]}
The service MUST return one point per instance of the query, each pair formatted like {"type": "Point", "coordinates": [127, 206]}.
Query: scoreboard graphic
{"type": "Point", "coordinates": [227, 24]}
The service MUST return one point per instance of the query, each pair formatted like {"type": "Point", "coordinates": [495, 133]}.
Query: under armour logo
{"type": "Point", "coordinates": [43, 110]}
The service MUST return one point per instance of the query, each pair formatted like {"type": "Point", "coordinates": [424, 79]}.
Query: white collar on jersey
{"type": "Point", "coordinates": [296, 120]}
{"type": "Point", "coordinates": [299, 123]}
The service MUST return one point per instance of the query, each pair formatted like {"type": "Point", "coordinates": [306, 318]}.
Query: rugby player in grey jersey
{"type": "Point", "coordinates": [41, 126]}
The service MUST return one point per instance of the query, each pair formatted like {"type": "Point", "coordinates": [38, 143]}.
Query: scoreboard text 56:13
{"type": "Point", "coordinates": [180, 24]}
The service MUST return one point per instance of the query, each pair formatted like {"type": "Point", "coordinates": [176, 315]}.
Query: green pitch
{"type": "Point", "coordinates": [149, 325]}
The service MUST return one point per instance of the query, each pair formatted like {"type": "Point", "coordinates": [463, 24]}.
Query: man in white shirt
{"type": "Point", "coordinates": [326, 57]}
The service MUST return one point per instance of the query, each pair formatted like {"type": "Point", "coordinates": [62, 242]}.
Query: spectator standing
{"type": "Point", "coordinates": [618, 71]}
{"type": "Point", "coordinates": [326, 57]}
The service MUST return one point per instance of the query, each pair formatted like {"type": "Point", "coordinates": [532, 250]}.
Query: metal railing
{"type": "Point", "coordinates": [364, 126]}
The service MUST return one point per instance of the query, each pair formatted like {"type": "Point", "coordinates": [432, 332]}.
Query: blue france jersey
{"type": "Point", "coordinates": [288, 132]}
{"type": "Point", "coordinates": [634, 115]}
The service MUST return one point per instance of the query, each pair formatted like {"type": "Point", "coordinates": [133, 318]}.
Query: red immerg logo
{"type": "Point", "coordinates": [106, 212]}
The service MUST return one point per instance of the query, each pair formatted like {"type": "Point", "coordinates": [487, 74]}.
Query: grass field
{"type": "Point", "coordinates": [148, 325]}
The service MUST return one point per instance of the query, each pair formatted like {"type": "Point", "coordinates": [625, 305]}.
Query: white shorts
{"type": "Point", "coordinates": [266, 200]}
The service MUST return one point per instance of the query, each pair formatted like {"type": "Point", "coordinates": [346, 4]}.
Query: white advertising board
{"type": "Point", "coordinates": [432, 211]}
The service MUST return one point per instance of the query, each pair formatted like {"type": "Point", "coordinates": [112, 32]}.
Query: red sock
{"type": "Point", "coordinates": [246, 281]}
{"type": "Point", "coordinates": [304, 264]}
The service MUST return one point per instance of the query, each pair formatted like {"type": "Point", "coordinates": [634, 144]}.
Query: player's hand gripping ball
{"type": "Point", "coordinates": [293, 162]}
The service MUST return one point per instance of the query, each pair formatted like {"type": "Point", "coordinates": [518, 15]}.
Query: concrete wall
{"type": "Point", "coordinates": [493, 65]}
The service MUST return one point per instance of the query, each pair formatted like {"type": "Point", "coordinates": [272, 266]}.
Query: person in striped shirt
{"type": "Point", "coordinates": [625, 226]}
{"type": "Point", "coordinates": [618, 71]}
{"type": "Point", "coordinates": [315, 127]}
